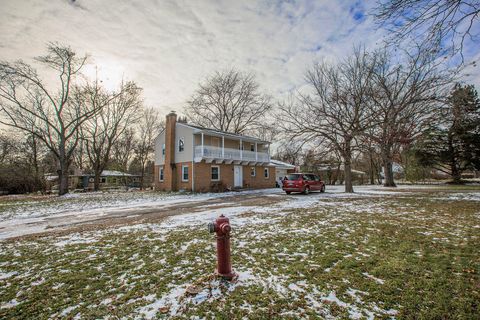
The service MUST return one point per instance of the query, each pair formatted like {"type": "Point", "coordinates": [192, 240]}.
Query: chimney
{"type": "Point", "coordinates": [169, 167]}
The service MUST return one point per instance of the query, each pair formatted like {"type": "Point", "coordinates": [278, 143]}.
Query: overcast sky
{"type": "Point", "coordinates": [167, 47]}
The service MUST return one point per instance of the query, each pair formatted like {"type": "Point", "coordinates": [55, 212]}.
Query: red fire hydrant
{"type": "Point", "coordinates": [222, 228]}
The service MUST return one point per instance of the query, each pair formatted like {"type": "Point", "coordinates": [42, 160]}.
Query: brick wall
{"type": "Point", "coordinates": [259, 181]}
{"type": "Point", "coordinates": [179, 184]}
{"type": "Point", "coordinates": [203, 181]}
{"type": "Point", "coordinates": [203, 176]}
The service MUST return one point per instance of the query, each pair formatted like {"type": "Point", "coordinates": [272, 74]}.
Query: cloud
{"type": "Point", "coordinates": [169, 46]}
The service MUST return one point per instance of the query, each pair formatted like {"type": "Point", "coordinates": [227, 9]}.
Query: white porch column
{"type": "Point", "coordinates": [241, 149]}
{"type": "Point", "coordinates": [202, 144]}
{"type": "Point", "coordinates": [223, 147]}
{"type": "Point", "coordinates": [256, 153]}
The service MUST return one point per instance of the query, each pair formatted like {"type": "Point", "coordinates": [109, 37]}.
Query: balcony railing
{"type": "Point", "coordinates": [210, 152]}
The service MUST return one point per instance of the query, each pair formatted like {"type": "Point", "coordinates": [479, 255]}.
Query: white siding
{"type": "Point", "coordinates": [186, 133]}
{"type": "Point", "coordinates": [159, 141]}
{"type": "Point", "coordinates": [280, 173]}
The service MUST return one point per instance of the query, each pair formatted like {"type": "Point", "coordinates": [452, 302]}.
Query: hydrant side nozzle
{"type": "Point", "coordinates": [211, 227]}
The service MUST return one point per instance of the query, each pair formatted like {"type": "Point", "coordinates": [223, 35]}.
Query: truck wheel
{"type": "Point", "coordinates": [323, 189]}
{"type": "Point", "coordinates": [307, 190]}
{"type": "Point", "coordinates": [288, 192]}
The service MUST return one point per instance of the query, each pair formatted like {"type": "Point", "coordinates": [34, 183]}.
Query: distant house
{"type": "Point", "coordinates": [334, 174]}
{"type": "Point", "coordinates": [108, 179]}
{"type": "Point", "coordinates": [201, 159]}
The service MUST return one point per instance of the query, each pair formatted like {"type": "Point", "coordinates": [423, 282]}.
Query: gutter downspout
{"type": "Point", "coordinates": [193, 162]}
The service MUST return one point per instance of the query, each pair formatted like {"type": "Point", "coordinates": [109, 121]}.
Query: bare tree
{"type": "Point", "coordinates": [79, 157]}
{"type": "Point", "coordinates": [123, 149]}
{"type": "Point", "coordinates": [371, 155]}
{"type": "Point", "coordinates": [229, 101]}
{"type": "Point", "coordinates": [149, 127]}
{"type": "Point", "coordinates": [7, 146]}
{"type": "Point", "coordinates": [438, 22]}
{"type": "Point", "coordinates": [404, 99]}
{"type": "Point", "coordinates": [27, 104]}
{"type": "Point", "coordinates": [337, 109]}
{"type": "Point", "coordinates": [289, 151]}
{"type": "Point", "coordinates": [118, 111]}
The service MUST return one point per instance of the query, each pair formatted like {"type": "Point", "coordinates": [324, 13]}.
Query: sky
{"type": "Point", "coordinates": [169, 46]}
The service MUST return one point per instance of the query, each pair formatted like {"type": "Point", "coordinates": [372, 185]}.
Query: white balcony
{"type": "Point", "coordinates": [227, 155]}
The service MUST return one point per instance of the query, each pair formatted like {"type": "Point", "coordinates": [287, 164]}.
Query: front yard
{"type": "Point", "coordinates": [407, 253]}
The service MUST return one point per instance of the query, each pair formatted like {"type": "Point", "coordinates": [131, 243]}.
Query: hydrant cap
{"type": "Point", "coordinates": [226, 228]}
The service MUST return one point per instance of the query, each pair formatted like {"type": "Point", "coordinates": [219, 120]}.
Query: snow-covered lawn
{"type": "Point", "coordinates": [406, 253]}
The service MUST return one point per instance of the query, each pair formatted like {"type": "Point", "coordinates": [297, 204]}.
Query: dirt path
{"type": "Point", "coordinates": [101, 219]}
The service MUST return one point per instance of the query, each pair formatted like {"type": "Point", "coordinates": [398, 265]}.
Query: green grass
{"type": "Point", "coordinates": [411, 256]}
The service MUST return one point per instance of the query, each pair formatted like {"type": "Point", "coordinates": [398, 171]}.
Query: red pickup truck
{"type": "Point", "coordinates": [302, 182]}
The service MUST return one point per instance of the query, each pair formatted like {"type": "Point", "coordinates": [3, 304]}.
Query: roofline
{"type": "Point", "coordinates": [282, 164]}
{"type": "Point", "coordinates": [222, 133]}
{"type": "Point", "coordinates": [158, 135]}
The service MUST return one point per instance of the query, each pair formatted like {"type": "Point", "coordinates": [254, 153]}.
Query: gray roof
{"type": "Point", "coordinates": [278, 163]}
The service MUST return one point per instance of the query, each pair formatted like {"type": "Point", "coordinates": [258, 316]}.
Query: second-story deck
{"type": "Point", "coordinates": [219, 149]}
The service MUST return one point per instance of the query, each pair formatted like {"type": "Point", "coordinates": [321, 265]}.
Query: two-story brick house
{"type": "Point", "coordinates": [199, 159]}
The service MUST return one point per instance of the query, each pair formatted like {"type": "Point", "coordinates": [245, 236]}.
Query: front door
{"type": "Point", "coordinates": [237, 176]}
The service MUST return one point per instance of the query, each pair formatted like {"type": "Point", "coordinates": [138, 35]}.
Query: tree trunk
{"type": "Point", "coordinates": [62, 180]}
{"type": "Point", "coordinates": [455, 170]}
{"type": "Point", "coordinates": [347, 159]}
{"type": "Point", "coordinates": [456, 175]}
{"type": "Point", "coordinates": [348, 177]}
{"type": "Point", "coordinates": [142, 176]}
{"type": "Point", "coordinates": [388, 167]}
{"type": "Point", "coordinates": [372, 166]}
{"type": "Point", "coordinates": [96, 181]}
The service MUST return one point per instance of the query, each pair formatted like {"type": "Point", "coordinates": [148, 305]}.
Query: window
{"type": "Point", "coordinates": [161, 174]}
{"type": "Point", "coordinates": [103, 180]}
{"type": "Point", "coordinates": [184, 173]}
{"type": "Point", "coordinates": [181, 144]}
{"type": "Point", "coordinates": [294, 177]}
{"type": "Point", "coordinates": [252, 147]}
{"type": "Point", "coordinates": [266, 173]}
{"type": "Point", "coordinates": [252, 171]}
{"type": "Point", "coordinates": [163, 149]}
{"type": "Point", "coordinates": [215, 173]}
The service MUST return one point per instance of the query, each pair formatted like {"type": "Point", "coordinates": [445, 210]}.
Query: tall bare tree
{"type": "Point", "coordinates": [405, 97]}
{"type": "Point", "coordinates": [442, 23]}
{"type": "Point", "coordinates": [123, 149]}
{"type": "Point", "coordinates": [337, 110]}
{"type": "Point", "coordinates": [229, 101]}
{"type": "Point", "coordinates": [119, 110]}
{"type": "Point", "coordinates": [149, 127]}
{"type": "Point", "coordinates": [27, 104]}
